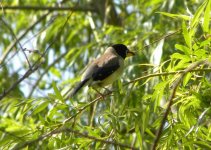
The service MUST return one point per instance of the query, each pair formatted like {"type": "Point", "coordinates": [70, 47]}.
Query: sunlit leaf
{"type": "Point", "coordinates": [40, 107]}
{"type": "Point", "coordinates": [185, 58]}
{"type": "Point", "coordinates": [186, 34]}
{"type": "Point", "coordinates": [56, 72]}
{"type": "Point", "coordinates": [57, 92]}
{"type": "Point", "coordinates": [159, 93]}
{"type": "Point", "coordinates": [184, 17]}
{"type": "Point", "coordinates": [183, 48]}
{"type": "Point", "coordinates": [187, 78]}
{"type": "Point", "coordinates": [197, 15]}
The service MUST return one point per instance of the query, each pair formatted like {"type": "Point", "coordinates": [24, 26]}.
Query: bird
{"type": "Point", "coordinates": [105, 69]}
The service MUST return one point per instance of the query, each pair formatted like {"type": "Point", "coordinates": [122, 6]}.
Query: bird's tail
{"type": "Point", "coordinates": [78, 87]}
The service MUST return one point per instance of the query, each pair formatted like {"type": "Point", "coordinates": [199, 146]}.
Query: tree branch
{"type": "Point", "coordinates": [166, 74]}
{"type": "Point", "coordinates": [65, 129]}
{"type": "Point", "coordinates": [27, 74]}
{"type": "Point", "coordinates": [49, 8]}
{"type": "Point", "coordinates": [170, 100]}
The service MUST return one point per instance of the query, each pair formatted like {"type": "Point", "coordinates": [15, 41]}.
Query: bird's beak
{"type": "Point", "coordinates": [130, 53]}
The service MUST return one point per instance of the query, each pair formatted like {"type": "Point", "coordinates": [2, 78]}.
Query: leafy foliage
{"type": "Point", "coordinates": [168, 37]}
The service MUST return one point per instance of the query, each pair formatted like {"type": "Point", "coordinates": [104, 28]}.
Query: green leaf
{"type": "Point", "coordinates": [182, 64]}
{"type": "Point", "coordinates": [158, 93]}
{"type": "Point", "coordinates": [202, 144]}
{"type": "Point", "coordinates": [56, 72]}
{"type": "Point", "coordinates": [207, 17]}
{"type": "Point", "coordinates": [186, 35]}
{"type": "Point", "coordinates": [185, 58]}
{"type": "Point", "coordinates": [57, 92]}
{"type": "Point", "coordinates": [196, 17]}
{"type": "Point", "coordinates": [206, 42]}
{"type": "Point", "coordinates": [183, 48]}
{"type": "Point", "coordinates": [200, 54]}
{"type": "Point", "coordinates": [187, 78]}
{"type": "Point", "coordinates": [52, 112]}
{"type": "Point", "coordinates": [184, 17]}
{"type": "Point", "coordinates": [40, 107]}
{"type": "Point", "coordinates": [138, 133]}
{"type": "Point", "coordinates": [177, 56]}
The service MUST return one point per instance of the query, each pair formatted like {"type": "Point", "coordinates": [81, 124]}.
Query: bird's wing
{"type": "Point", "coordinates": [89, 71]}
{"type": "Point", "coordinates": [102, 67]}
{"type": "Point", "coordinates": [106, 68]}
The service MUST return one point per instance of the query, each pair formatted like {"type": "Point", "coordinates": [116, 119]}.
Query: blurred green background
{"type": "Point", "coordinates": [45, 45]}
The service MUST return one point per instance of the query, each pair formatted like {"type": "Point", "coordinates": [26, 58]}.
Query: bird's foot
{"type": "Point", "coordinates": [100, 94]}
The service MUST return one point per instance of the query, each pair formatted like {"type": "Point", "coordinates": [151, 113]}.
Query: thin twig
{"type": "Point", "coordinates": [17, 41]}
{"type": "Point", "coordinates": [165, 74]}
{"type": "Point", "coordinates": [171, 97]}
{"type": "Point", "coordinates": [12, 45]}
{"type": "Point", "coordinates": [163, 37]}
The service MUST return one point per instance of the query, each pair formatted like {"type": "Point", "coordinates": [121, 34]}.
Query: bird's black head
{"type": "Point", "coordinates": [121, 50]}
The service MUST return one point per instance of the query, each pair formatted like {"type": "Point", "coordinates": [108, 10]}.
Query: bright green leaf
{"type": "Point", "coordinates": [40, 107]}
{"type": "Point", "coordinates": [184, 17]}
{"type": "Point", "coordinates": [55, 72]}
{"type": "Point", "coordinates": [57, 92]}
{"type": "Point", "coordinates": [187, 78]}
{"type": "Point", "coordinates": [185, 58]}
{"type": "Point", "coordinates": [196, 17]}
{"type": "Point", "coordinates": [207, 17]}
{"type": "Point", "coordinates": [183, 48]}
{"type": "Point", "coordinates": [186, 34]}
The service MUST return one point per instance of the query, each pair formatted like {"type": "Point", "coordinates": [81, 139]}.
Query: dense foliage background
{"type": "Point", "coordinates": [162, 100]}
